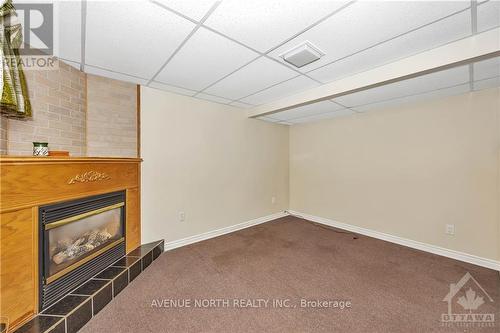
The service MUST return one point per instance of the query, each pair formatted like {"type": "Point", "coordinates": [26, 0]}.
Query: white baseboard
{"type": "Point", "coordinates": [465, 257]}
{"type": "Point", "coordinates": [219, 232]}
{"type": "Point", "coordinates": [469, 258]}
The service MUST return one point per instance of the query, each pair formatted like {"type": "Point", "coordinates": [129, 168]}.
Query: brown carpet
{"type": "Point", "coordinates": [392, 288]}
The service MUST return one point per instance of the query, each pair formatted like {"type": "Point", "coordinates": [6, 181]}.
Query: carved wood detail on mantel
{"type": "Point", "coordinates": [89, 176]}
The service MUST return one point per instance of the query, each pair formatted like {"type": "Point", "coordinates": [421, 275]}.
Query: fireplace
{"type": "Point", "coordinates": [78, 239]}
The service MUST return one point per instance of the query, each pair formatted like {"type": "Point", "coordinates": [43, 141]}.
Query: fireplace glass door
{"type": "Point", "coordinates": [75, 240]}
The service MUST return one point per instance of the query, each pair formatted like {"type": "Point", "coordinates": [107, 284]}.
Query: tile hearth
{"type": "Point", "coordinates": [74, 310]}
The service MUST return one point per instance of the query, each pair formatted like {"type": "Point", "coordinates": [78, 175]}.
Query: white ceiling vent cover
{"type": "Point", "coordinates": [302, 54]}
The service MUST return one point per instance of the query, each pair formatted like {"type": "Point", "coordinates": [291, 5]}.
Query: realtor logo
{"type": "Point", "coordinates": [464, 302]}
{"type": "Point", "coordinates": [27, 35]}
{"type": "Point", "coordinates": [37, 20]}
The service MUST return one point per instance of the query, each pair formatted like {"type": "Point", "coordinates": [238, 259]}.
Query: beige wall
{"type": "Point", "coordinates": [209, 161]}
{"type": "Point", "coordinates": [406, 171]}
{"type": "Point", "coordinates": [58, 102]}
{"type": "Point", "coordinates": [111, 117]}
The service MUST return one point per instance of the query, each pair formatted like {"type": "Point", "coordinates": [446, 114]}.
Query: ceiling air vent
{"type": "Point", "coordinates": [302, 54]}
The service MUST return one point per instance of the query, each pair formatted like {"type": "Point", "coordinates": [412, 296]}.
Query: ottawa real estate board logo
{"type": "Point", "coordinates": [465, 299]}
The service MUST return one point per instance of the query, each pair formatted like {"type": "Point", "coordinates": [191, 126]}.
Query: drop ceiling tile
{"type": "Point", "coordinates": [166, 87]}
{"type": "Point", "coordinates": [204, 59]}
{"type": "Point", "coordinates": [213, 98]}
{"type": "Point", "coordinates": [488, 15]}
{"type": "Point", "coordinates": [258, 75]}
{"type": "Point", "coordinates": [418, 85]}
{"type": "Point", "coordinates": [268, 119]}
{"type": "Point", "coordinates": [116, 43]}
{"type": "Point", "coordinates": [434, 35]}
{"type": "Point", "coordinates": [114, 75]}
{"type": "Point", "coordinates": [322, 116]}
{"type": "Point", "coordinates": [487, 69]}
{"type": "Point", "coordinates": [487, 83]}
{"type": "Point", "coordinates": [450, 91]}
{"type": "Point", "coordinates": [67, 30]}
{"type": "Point", "coordinates": [307, 110]}
{"type": "Point", "coordinates": [194, 9]}
{"type": "Point", "coordinates": [263, 24]}
{"type": "Point", "coordinates": [241, 105]}
{"type": "Point", "coordinates": [366, 23]}
{"type": "Point", "coordinates": [289, 87]}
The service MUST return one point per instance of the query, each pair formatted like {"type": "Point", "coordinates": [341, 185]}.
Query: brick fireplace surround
{"type": "Point", "coordinates": [28, 183]}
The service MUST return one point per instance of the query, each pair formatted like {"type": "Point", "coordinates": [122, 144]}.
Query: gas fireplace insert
{"type": "Point", "coordinates": [78, 239]}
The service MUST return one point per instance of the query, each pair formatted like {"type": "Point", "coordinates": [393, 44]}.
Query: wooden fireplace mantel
{"type": "Point", "coordinates": [29, 182]}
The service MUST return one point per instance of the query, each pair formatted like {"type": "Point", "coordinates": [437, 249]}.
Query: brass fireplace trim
{"type": "Point", "coordinates": [77, 264]}
{"type": "Point", "coordinates": [81, 216]}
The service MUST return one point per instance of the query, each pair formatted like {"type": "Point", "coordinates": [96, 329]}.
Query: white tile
{"type": "Point", "coordinates": [366, 23]}
{"type": "Point", "coordinates": [241, 105]}
{"type": "Point", "coordinates": [487, 69]}
{"type": "Point", "coordinates": [177, 90]}
{"type": "Point", "coordinates": [194, 9]}
{"type": "Point", "coordinates": [268, 119]}
{"type": "Point", "coordinates": [213, 98]}
{"type": "Point", "coordinates": [322, 116]}
{"type": "Point", "coordinates": [431, 36]}
{"type": "Point", "coordinates": [487, 83]}
{"type": "Point", "coordinates": [258, 75]}
{"type": "Point", "coordinates": [451, 91]}
{"type": "Point", "coordinates": [204, 59]}
{"type": "Point", "coordinates": [263, 24]}
{"type": "Point", "coordinates": [488, 15]}
{"type": "Point", "coordinates": [115, 42]}
{"type": "Point", "coordinates": [113, 75]}
{"type": "Point", "coordinates": [418, 85]}
{"type": "Point", "coordinates": [67, 30]}
{"type": "Point", "coordinates": [290, 87]}
{"type": "Point", "coordinates": [307, 110]}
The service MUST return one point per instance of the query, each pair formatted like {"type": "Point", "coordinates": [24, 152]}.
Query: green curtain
{"type": "Point", "coordinates": [14, 90]}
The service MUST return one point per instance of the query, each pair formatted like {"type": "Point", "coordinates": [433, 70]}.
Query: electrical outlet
{"type": "Point", "coordinates": [182, 216]}
{"type": "Point", "coordinates": [273, 200]}
{"type": "Point", "coordinates": [450, 229]}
